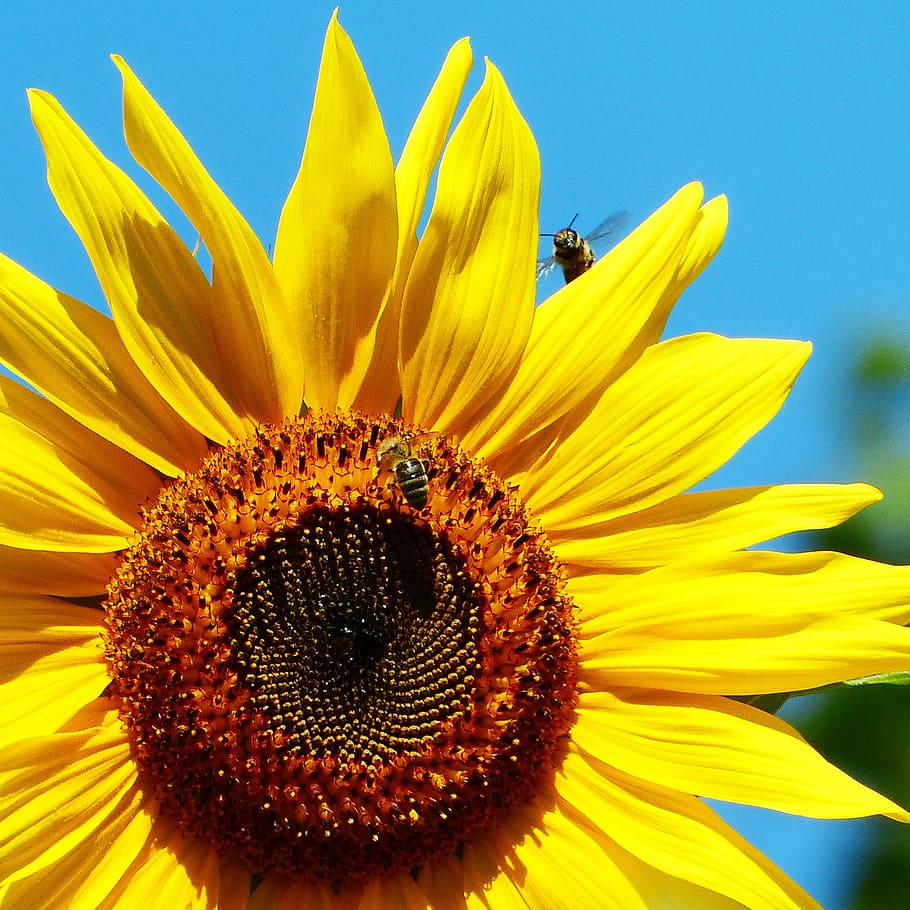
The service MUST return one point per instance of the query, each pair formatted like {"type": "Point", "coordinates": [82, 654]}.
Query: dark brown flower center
{"type": "Point", "coordinates": [332, 666]}
{"type": "Point", "coordinates": [347, 625]}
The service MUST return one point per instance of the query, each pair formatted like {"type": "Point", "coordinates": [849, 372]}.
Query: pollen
{"type": "Point", "coordinates": [329, 679]}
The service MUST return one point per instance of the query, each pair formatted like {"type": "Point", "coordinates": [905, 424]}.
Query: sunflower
{"type": "Point", "coordinates": [353, 579]}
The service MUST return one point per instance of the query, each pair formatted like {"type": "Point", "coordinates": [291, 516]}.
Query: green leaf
{"type": "Point", "coordinates": [889, 679]}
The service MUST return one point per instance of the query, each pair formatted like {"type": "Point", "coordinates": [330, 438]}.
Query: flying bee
{"type": "Point", "coordinates": [573, 253]}
{"type": "Point", "coordinates": [396, 455]}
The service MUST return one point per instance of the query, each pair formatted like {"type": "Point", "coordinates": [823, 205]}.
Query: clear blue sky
{"type": "Point", "coordinates": [799, 112]}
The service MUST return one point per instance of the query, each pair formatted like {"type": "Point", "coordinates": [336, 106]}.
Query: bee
{"type": "Point", "coordinates": [573, 253]}
{"type": "Point", "coordinates": [395, 454]}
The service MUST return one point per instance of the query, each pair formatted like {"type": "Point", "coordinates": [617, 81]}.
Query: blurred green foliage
{"type": "Point", "coordinates": [875, 410]}
{"type": "Point", "coordinates": [866, 731]}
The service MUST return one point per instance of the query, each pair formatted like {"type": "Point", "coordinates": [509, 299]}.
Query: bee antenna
{"type": "Point", "coordinates": [565, 228]}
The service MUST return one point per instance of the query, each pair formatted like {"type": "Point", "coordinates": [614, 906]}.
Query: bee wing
{"type": "Point", "coordinates": [611, 227]}
{"type": "Point", "coordinates": [545, 266]}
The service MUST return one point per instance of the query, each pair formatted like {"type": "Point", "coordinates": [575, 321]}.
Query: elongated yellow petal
{"type": "Point", "coordinates": [667, 892]}
{"type": "Point", "coordinates": [338, 233]}
{"type": "Point", "coordinates": [679, 413]}
{"type": "Point", "coordinates": [671, 831]}
{"type": "Point", "coordinates": [73, 355]}
{"type": "Point", "coordinates": [251, 322]}
{"type": "Point", "coordinates": [51, 663]}
{"type": "Point", "coordinates": [46, 688]}
{"type": "Point", "coordinates": [779, 655]}
{"type": "Point", "coordinates": [543, 861]}
{"type": "Point", "coordinates": [63, 487]}
{"type": "Point", "coordinates": [585, 334]}
{"type": "Point", "coordinates": [693, 525]}
{"type": "Point", "coordinates": [422, 150]}
{"type": "Point", "coordinates": [277, 894]}
{"type": "Point", "coordinates": [398, 891]}
{"type": "Point", "coordinates": [123, 859]}
{"type": "Point", "coordinates": [469, 301]}
{"type": "Point", "coordinates": [82, 835]}
{"type": "Point", "coordinates": [168, 870]}
{"type": "Point", "coordinates": [63, 574]}
{"type": "Point", "coordinates": [728, 592]}
{"type": "Point", "coordinates": [85, 878]}
{"type": "Point", "coordinates": [488, 887]}
{"type": "Point", "coordinates": [123, 840]}
{"type": "Point", "coordinates": [46, 621]}
{"type": "Point", "coordinates": [442, 881]}
{"type": "Point", "coordinates": [642, 327]}
{"type": "Point", "coordinates": [233, 886]}
{"type": "Point", "coordinates": [412, 178]}
{"type": "Point", "coordinates": [161, 301]}
{"type": "Point", "coordinates": [702, 247]}
{"type": "Point", "coordinates": [836, 581]}
{"type": "Point", "coordinates": [58, 793]}
{"type": "Point", "coordinates": [721, 749]}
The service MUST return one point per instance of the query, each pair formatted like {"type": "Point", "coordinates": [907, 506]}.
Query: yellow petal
{"type": "Point", "coordinates": [679, 413]}
{"type": "Point", "coordinates": [86, 875]}
{"type": "Point", "coordinates": [738, 593]}
{"type": "Point", "coordinates": [63, 487]}
{"type": "Point", "coordinates": [634, 330]}
{"type": "Point", "coordinates": [97, 882]}
{"type": "Point", "coordinates": [585, 334]}
{"type": "Point", "coordinates": [702, 247]}
{"type": "Point", "coordinates": [82, 837]}
{"type": "Point", "coordinates": [442, 881]}
{"type": "Point", "coordinates": [168, 870]}
{"type": "Point", "coordinates": [836, 580]}
{"type": "Point", "coordinates": [49, 688]}
{"type": "Point", "coordinates": [412, 177]}
{"type": "Point", "coordinates": [487, 886]}
{"type": "Point", "coordinates": [251, 321]}
{"type": "Point", "coordinates": [276, 894]}
{"type": "Point", "coordinates": [424, 145]}
{"type": "Point", "coordinates": [671, 831]}
{"type": "Point", "coordinates": [63, 574]}
{"type": "Point", "coordinates": [469, 301]}
{"type": "Point", "coordinates": [544, 862]}
{"type": "Point", "coordinates": [47, 621]}
{"type": "Point", "coordinates": [719, 749]}
{"type": "Point", "coordinates": [666, 892]}
{"type": "Point", "coordinates": [72, 354]}
{"type": "Point", "coordinates": [60, 798]}
{"type": "Point", "coordinates": [780, 655]}
{"type": "Point", "coordinates": [51, 663]}
{"type": "Point", "coordinates": [338, 233]}
{"type": "Point", "coordinates": [399, 891]}
{"type": "Point", "coordinates": [161, 301]}
{"type": "Point", "coordinates": [233, 887]}
{"type": "Point", "coordinates": [694, 525]}
{"type": "Point", "coordinates": [745, 623]}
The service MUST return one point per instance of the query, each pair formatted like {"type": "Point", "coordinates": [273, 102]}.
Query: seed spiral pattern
{"type": "Point", "coordinates": [350, 648]}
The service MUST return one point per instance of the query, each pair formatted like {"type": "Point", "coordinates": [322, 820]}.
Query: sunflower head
{"type": "Point", "coordinates": [324, 680]}
{"type": "Point", "coordinates": [405, 596]}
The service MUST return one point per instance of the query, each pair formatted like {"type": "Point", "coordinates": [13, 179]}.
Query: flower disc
{"type": "Point", "coordinates": [325, 680]}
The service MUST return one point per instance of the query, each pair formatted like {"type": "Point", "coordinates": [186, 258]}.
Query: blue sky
{"type": "Point", "coordinates": [798, 112]}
